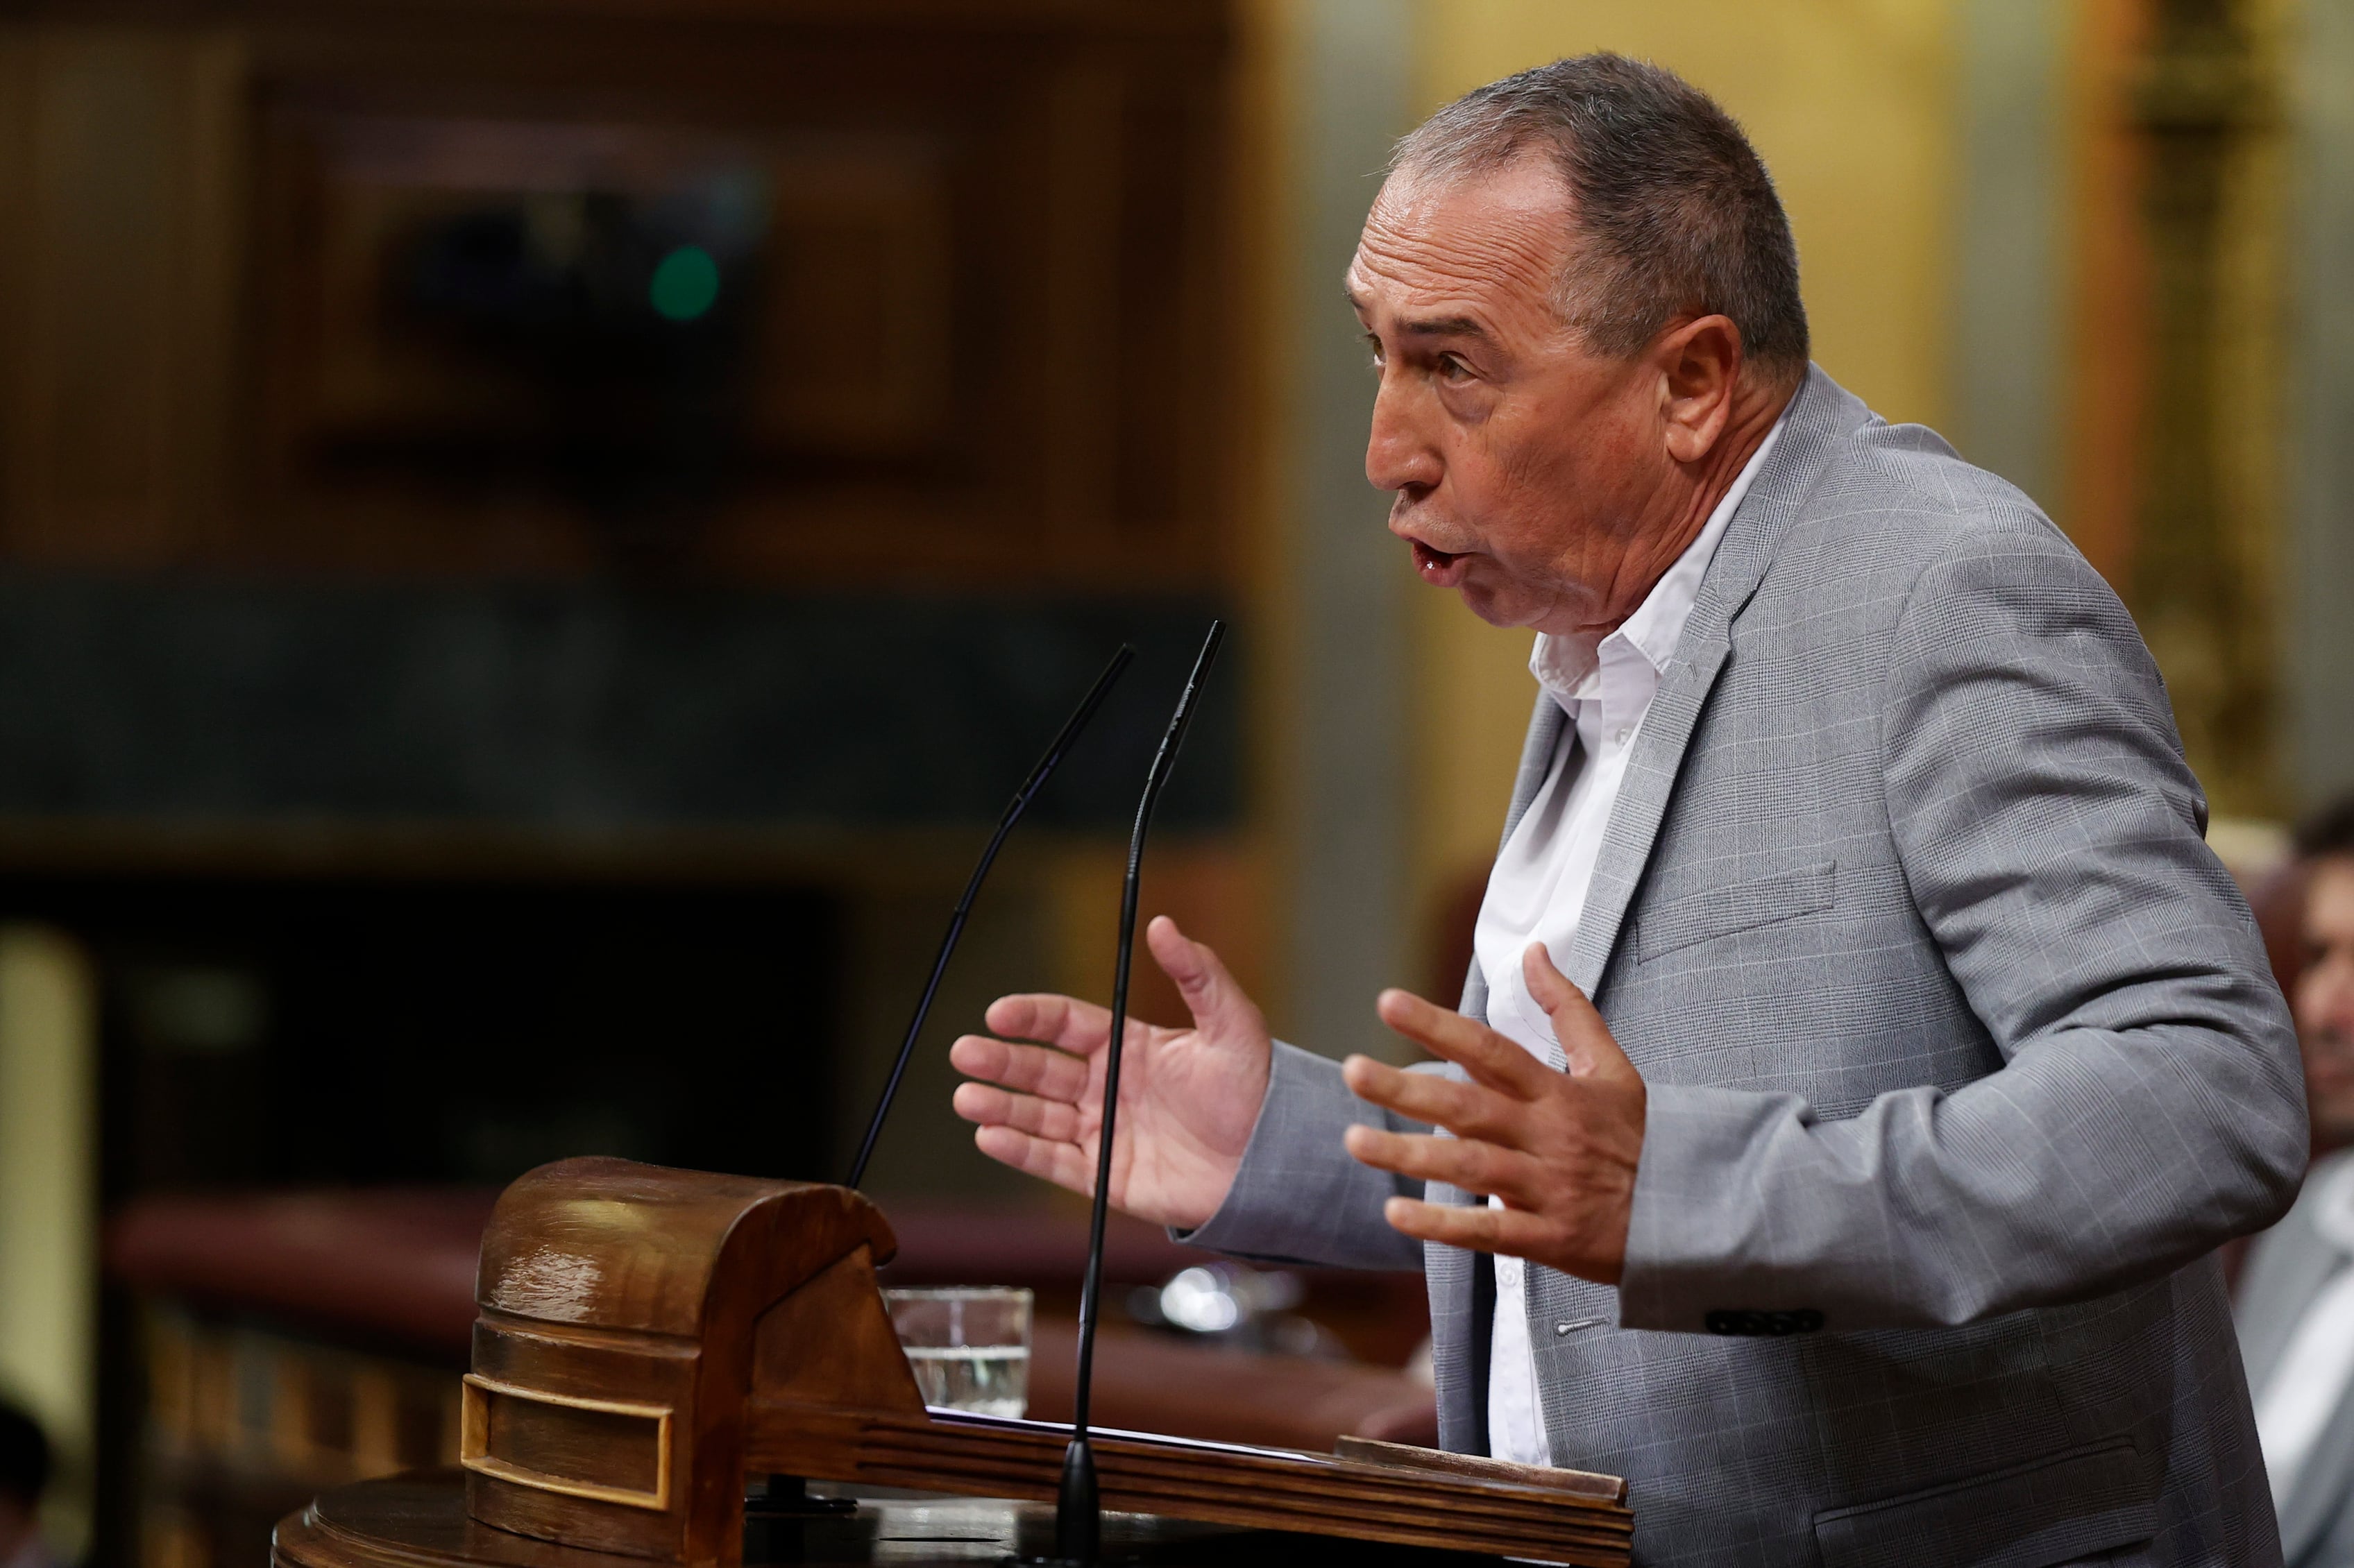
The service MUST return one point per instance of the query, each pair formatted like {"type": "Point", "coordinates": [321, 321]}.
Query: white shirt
{"type": "Point", "coordinates": [1537, 890]}
{"type": "Point", "coordinates": [2317, 1366]}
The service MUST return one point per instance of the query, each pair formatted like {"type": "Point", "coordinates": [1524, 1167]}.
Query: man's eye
{"type": "Point", "coordinates": [1452, 368]}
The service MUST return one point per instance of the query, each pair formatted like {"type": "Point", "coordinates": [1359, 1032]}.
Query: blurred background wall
{"type": "Point", "coordinates": [534, 539]}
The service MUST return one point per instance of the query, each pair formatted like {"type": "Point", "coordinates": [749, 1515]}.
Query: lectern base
{"type": "Point", "coordinates": [419, 1521]}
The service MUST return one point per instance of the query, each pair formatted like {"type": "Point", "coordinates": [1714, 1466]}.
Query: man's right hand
{"type": "Point", "coordinates": [1188, 1097]}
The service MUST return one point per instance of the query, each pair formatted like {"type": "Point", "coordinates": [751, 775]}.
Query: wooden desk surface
{"type": "Point", "coordinates": [419, 1521]}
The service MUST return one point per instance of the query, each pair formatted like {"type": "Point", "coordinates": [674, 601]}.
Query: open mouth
{"type": "Point", "coordinates": [1440, 568]}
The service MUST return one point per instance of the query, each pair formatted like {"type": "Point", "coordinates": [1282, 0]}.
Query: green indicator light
{"type": "Point", "coordinates": [685, 284]}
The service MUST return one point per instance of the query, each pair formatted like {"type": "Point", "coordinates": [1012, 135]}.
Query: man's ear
{"type": "Point", "coordinates": [1700, 364]}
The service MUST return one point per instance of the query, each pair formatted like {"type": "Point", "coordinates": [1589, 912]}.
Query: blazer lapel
{"type": "Point", "coordinates": [1642, 801]}
{"type": "Point", "coordinates": [1536, 761]}
{"type": "Point", "coordinates": [1818, 413]}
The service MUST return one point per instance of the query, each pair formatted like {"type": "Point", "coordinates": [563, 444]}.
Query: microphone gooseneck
{"type": "Point", "coordinates": [1078, 1516]}
{"type": "Point", "coordinates": [1014, 810]}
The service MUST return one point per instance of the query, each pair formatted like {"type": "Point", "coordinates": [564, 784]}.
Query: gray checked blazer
{"type": "Point", "coordinates": [1963, 1056]}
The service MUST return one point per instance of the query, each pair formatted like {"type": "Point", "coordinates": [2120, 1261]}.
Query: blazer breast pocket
{"type": "Point", "coordinates": [1744, 906]}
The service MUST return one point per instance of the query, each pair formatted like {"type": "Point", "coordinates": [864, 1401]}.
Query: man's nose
{"type": "Point", "coordinates": [1399, 455]}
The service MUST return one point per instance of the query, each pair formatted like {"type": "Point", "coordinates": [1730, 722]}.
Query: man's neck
{"type": "Point", "coordinates": [1704, 485]}
{"type": "Point", "coordinates": [1755, 409]}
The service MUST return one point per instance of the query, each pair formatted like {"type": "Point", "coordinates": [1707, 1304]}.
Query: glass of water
{"type": "Point", "coordinates": [970, 1346]}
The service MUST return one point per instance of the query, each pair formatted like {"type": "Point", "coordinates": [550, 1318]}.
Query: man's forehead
{"type": "Point", "coordinates": [1421, 299]}
{"type": "Point", "coordinates": [1459, 250]}
{"type": "Point", "coordinates": [1526, 185]}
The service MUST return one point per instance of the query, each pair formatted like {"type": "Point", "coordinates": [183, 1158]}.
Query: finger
{"type": "Point", "coordinates": [1592, 1049]}
{"type": "Point", "coordinates": [1220, 1009]}
{"type": "Point", "coordinates": [1469, 1110]}
{"type": "Point", "coordinates": [1032, 1069]}
{"type": "Point", "coordinates": [1477, 1049]}
{"type": "Point", "coordinates": [1063, 1022]}
{"type": "Point", "coordinates": [1468, 1164]}
{"type": "Point", "coordinates": [1516, 1232]}
{"type": "Point", "coordinates": [992, 1106]}
{"type": "Point", "coordinates": [1064, 1164]}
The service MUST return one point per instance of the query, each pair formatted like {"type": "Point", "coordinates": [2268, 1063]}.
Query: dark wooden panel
{"type": "Point", "coordinates": [968, 262]}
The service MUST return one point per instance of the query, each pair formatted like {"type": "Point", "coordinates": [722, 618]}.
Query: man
{"type": "Point", "coordinates": [1864, 1052]}
{"type": "Point", "coordinates": [2297, 1300]}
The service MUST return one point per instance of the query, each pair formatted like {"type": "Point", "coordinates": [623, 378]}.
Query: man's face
{"type": "Point", "coordinates": [1525, 468]}
{"type": "Point", "coordinates": [2325, 997]}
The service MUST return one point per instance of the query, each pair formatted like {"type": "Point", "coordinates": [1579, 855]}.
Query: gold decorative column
{"type": "Point", "coordinates": [2206, 108]}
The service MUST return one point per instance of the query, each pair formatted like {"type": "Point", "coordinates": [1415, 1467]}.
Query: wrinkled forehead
{"type": "Point", "coordinates": [1496, 239]}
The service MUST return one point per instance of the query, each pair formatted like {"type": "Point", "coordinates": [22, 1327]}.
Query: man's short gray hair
{"type": "Point", "coordinates": [1672, 212]}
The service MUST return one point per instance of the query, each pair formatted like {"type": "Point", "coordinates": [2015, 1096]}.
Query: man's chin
{"type": "Point", "coordinates": [1496, 610]}
{"type": "Point", "coordinates": [1504, 606]}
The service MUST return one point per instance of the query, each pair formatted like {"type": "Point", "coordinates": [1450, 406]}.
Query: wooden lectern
{"type": "Point", "coordinates": [649, 1339]}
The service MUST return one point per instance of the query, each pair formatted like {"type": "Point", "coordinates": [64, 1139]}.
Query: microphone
{"type": "Point", "coordinates": [1021, 801]}
{"type": "Point", "coordinates": [1078, 1513]}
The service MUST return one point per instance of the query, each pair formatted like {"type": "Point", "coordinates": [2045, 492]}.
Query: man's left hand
{"type": "Point", "coordinates": [1559, 1149]}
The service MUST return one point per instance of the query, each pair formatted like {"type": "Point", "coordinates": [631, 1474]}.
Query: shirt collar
{"type": "Point", "coordinates": [1658, 623]}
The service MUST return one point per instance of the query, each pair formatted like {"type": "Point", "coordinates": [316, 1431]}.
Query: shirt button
{"type": "Point", "coordinates": [1624, 735]}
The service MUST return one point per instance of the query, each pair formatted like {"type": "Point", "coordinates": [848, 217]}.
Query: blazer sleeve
{"type": "Point", "coordinates": [2149, 1105]}
{"type": "Point", "coordinates": [1298, 1198]}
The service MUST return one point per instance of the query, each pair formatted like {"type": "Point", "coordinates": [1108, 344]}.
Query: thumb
{"type": "Point", "coordinates": [1220, 1009]}
{"type": "Point", "coordinates": [1585, 1040]}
